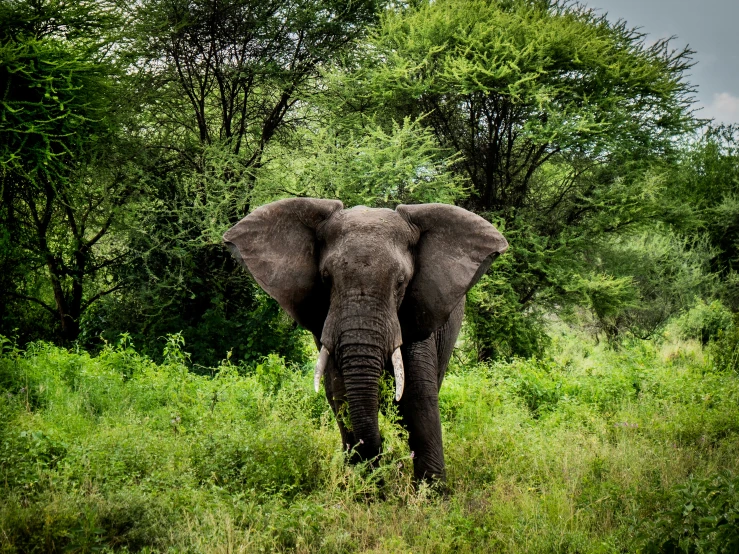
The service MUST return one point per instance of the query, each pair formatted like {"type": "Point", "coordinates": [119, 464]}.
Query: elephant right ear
{"type": "Point", "coordinates": [276, 243]}
{"type": "Point", "coordinates": [455, 249]}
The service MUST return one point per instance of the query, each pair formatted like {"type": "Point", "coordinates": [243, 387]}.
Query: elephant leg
{"type": "Point", "coordinates": [335, 390]}
{"type": "Point", "coordinates": [419, 408]}
{"type": "Point", "coordinates": [426, 362]}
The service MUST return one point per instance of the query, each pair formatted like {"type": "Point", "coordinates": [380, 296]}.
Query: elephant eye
{"type": "Point", "coordinates": [401, 280]}
{"type": "Point", "coordinates": [324, 274]}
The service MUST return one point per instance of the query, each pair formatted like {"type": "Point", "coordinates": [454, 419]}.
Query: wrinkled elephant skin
{"type": "Point", "coordinates": [381, 290]}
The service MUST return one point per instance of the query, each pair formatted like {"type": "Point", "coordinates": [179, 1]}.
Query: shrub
{"type": "Point", "coordinates": [537, 383]}
{"type": "Point", "coordinates": [274, 458]}
{"type": "Point", "coordinates": [116, 452]}
{"type": "Point", "coordinates": [704, 322]}
{"type": "Point", "coordinates": [498, 325]}
{"type": "Point", "coordinates": [703, 516]}
{"type": "Point", "coordinates": [724, 351]}
{"type": "Point", "coordinates": [639, 281]}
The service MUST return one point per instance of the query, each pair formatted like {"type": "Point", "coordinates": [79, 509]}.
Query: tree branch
{"type": "Point", "coordinates": [41, 303]}
{"type": "Point", "coordinates": [99, 295]}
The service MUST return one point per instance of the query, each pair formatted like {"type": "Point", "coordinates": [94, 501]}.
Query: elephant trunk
{"type": "Point", "coordinates": [362, 365]}
{"type": "Point", "coordinates": [361, 333]}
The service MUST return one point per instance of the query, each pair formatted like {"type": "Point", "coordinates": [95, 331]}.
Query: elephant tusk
{"type": "Point", "coordinates": [399, 374]}
{"type": "Point", "coordinates": [320, 367]}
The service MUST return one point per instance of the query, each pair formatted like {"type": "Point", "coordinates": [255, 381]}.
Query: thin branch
{"type": "Point", "coordinates": [41, 303]}
{"type": "Point", "coordinates": [99, 295]}
{"type": "Point", "coordinates": [107, 263]}
{"type": "Point", "coordinates": [104, 229]}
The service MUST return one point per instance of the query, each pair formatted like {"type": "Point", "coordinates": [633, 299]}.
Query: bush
{"type": "Point", "coordinates": [219, 312]}
{"type": "Point", "coordinates": [704, 322]}
{"type": "Point", "coordinates": [562, 454]}
{"type": "Point", "coordinates": [280, 458]}
{"type": "Point", "coordinates": [724, 351]}
{"type": "Point", "coordinates": [703, 517]}
{"type": "Point", "coordinates": [639, 282]}
{"type": "Point", "coordinates": [498, 326]}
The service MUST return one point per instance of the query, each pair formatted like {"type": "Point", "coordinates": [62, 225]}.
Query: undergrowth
{"type": "Point", "coordinates": [589, 450]}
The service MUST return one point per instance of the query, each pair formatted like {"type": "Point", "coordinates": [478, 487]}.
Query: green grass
{"type": "Point", "coordinates": [591, 450]}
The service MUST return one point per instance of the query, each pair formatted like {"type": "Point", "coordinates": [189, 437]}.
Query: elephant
{"type": "Point", "coordinates": [381, 290]}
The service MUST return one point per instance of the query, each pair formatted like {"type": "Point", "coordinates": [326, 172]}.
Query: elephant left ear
{"type": "Point", "coordinates": [455, 249]}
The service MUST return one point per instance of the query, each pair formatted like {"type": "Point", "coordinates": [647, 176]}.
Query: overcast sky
{"type": "Point", "coordinates": [710, 27]}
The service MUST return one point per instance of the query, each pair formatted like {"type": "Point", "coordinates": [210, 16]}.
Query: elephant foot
{"type": "Point", "coordinates": [437, 487]}
{"type": "Point", "coordinates": [434, 480]}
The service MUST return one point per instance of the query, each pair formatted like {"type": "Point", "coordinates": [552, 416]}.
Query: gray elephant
{"type": "Point", "coordinates": [380, 290]}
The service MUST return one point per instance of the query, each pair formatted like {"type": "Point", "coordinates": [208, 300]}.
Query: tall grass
{"type": "Point", "coordinates": [590, 450]}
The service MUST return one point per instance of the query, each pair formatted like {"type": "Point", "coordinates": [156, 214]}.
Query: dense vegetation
{"type": "Point", "coordinates": [589, 450]}
{"type": "Point", "coordinates": [134, 134]}
{"type": "Point", "coordinates": [592, 405]}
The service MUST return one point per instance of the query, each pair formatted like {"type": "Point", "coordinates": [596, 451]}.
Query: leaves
{"type": "Point", "coordinates": [703, 517]}
{"type": "Point", "coordinates": [374, 167]}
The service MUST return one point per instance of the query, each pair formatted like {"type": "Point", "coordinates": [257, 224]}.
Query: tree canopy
{"type": "Point", "coordinates": [513, 85]}
{"type": "Point", "coordinates": [61, 160]}
{"type": "Point", "coordinates": [133, 135]}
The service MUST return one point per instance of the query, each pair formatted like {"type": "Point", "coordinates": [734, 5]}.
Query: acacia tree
{"type": "Point", "coordinates": [220, 81]}
{"type": "Point", "coordinates": [703, 199]}
{"type": "Point", "coordinates": [704, 193]}
{"type": "Point", "coordinates": [61, 166]}
{"type": "Point", "coordinates": [557, 115]}
{"type": "Point", "coordinates": [232, 70]}
{"type": "Point", "coordinates": [513, 85]}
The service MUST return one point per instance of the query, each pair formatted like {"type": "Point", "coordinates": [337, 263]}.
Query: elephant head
{"type": "Point", "coordinates": [365, 281]}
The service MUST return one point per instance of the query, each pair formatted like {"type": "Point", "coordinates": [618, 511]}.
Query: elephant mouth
{"type": "Point", "coordinates": [398, 370]}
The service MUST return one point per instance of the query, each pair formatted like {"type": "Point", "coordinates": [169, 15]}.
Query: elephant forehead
{"type": "Point", "coordinates": [369, 224]}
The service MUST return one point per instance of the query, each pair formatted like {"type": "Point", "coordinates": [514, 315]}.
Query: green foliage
{"type": "Point", "coordinates": [608, 297]}
{"type": "Point", "coordinates": [702, 202]}
{"type": "Point", "coordinates": [496, 325]}
{"type": "Point", "coordinates": [724, 350]}
{"type": "Point", "coordinates": [55, 94]}
{"type": "Point", "coordinates": [368, 166]}
{"type": "Point", "coordinates": [84, 21]}
{"type": "Point", "coordinates": [557, 116]}
{"type": "Point", "coordinates": [117, 452]}
{"type": "Point", "coordinates": [703, 517]}
{"type": "Point", "coordinates": [235, 68]}
{"type": "Point", "coordinates": [702, 197]}
{"type": "Point", "coordinates": [514, 86]}
{"type": "Point", "coordinates": [64, 163]}
{"type": "Point", "coordinates": [704, 322]}
{"type": "Point", "coordinates": [219, 82]}
{"type": "Point", "coordinates": [145, 141]}
{"type": "Point", "coordinates": [640, 281]}
{"type": "Point", "coordinates": [127, 150]}
{"type": "Point", "coordinates": [215, 318]}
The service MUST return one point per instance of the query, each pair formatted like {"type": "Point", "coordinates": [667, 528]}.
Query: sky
{"type": "Point", "coordinates": [709, 27]}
